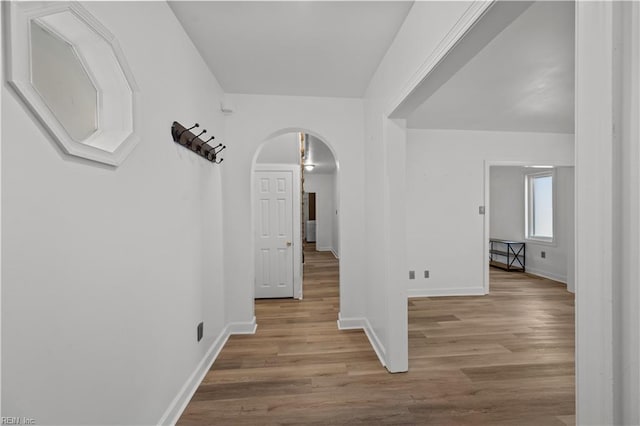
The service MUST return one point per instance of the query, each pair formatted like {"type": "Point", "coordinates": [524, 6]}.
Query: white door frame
{"type": "Point", "coordinates": [487, 201]}
{"type": "Point", "coordinates": [594, 214]}
{"type": "Point", "coordinates": [296, 206]}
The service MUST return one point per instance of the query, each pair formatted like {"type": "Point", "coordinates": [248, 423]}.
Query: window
{"type": "Point", "coordinates": [539, 208]}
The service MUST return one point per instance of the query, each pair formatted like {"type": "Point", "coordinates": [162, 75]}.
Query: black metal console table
{"type": "Point", "coordinates": [507, 255]}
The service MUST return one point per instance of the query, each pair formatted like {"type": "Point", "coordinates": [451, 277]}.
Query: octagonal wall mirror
{"type": "Point", "coordinates": [69, 70]}
{"type": "Point", "coordinates": [61, 79]}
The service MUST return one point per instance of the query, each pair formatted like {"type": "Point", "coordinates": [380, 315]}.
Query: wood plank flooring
{"type": "Point", "coordinates": [502, 359]}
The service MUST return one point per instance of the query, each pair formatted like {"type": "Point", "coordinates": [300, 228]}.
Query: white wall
{"type": "Point", "coordinates": [338, 122]}
{"type": "Point", "coordinates": [324, 186]}
{"type": "Point", "coordinates": [106, 272]}
{"type": "Point", "coordinates": [424, 28]}
{"type": "Point", "coordinates": [445, 186]}
{"type": "Point", "coordinates": [283, 149]}
{"type": "Point", "coordinates": [507, 202]}
{"type": "Point", "coordinates": [507, 215]}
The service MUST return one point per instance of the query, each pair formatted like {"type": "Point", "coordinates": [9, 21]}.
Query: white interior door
{"type": "Point", "coordinates": [274, 234]}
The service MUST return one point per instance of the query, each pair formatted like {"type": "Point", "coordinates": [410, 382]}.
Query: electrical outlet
{"type": "Point", "coordinates": [200, 331]}
{"type": "Point", "coordinates": [412, 275]}
{"type": "Point", "coordinates": [543, 254]}
{"type": "Point", "coordinates": [426, 274]}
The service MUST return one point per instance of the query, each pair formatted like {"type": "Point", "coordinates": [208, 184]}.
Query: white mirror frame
{"type": "Point", "coordinates": [117, 132]}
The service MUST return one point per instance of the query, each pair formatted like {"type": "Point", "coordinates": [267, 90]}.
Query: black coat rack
{"type": "Point", "coordinates": [183, 136]}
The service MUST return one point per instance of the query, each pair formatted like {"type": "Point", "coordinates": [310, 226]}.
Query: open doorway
{"type": "Point", "coordinates": [309, 216]}
{"type": "Point", "coordinates": [529, 223]}
{"type": "Point", "coordinates": [320, 196]}
{"type": "Point", "coordinates": [295, 178]}
{"type": "Point", "coordinates": [508, 103]}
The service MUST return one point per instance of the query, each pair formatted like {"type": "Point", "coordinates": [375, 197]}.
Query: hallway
{"type": "Point", "coordinates": [504, 359]}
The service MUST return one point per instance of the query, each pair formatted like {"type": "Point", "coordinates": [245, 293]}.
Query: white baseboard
{"type": "Point", "coordinates": [350, 323]}
{"type": "Point", "coordinates": [180, 402]}
{"type": "Point", "coordinates": [436, 292]}
{"type": "Point", "coordinates": [545, 274]}
{"type": "Point", "coordinates": [363, 323]}
{"type": "Point", "coordinates": [243, 327]}
{"type": "Point", "coordinates": [328, 249]}
{"type": "Point", "coordinates": [378, 347]}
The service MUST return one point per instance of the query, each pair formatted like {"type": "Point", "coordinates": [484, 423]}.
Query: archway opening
{"type": "Point", "coordinates": [296, 222]}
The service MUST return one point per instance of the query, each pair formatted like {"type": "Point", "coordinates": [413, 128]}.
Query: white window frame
{"type": "Point", "coordinates": [528, 194]}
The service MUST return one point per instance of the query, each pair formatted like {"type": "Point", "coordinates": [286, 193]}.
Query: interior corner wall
{"type": "Point", "coordinates": [445, 187]}
{"type": "Point", "coordinates": [338, 122]}
{"type": "Point", "coordinates": [424, 28]}
{"type": "Point", "coordinates": [107, 271]}
{"type": "Point", "coordinates": [323, 186]}
{"type": "Point", "coordinates": [506, 212]}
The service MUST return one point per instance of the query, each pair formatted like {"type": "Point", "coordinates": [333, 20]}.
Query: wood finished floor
{"type": "Point", "coordinates": [502, 359]}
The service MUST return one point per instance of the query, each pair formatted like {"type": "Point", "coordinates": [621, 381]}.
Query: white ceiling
{"type": "Point", "coordinates": [523, 80]}
{"type": "Point", "coordinates": [319, 154]}
{"type": "Point", "coordinates": [304, 48]}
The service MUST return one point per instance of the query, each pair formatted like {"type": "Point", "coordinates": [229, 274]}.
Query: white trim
{"type": "Point", "coordinates": [544, 274]}
{"type": "Point", "coordinates": [633, 394]}
{"type": "Point", "coordinates": [594, 148]}
{"type": "Point", "coordinates": [350, 323]}
{"type": "Point", "coordinates": [468, 19]}
{"type": "Point", "coordinates": [116, 135]}
{"type": "Point", "coordinates": [182, 399]}
{"type": "Point", "coordinates": [243, 327]}
{"type": "Point", "coordinates": [324, 249]}
{"type": "Point", "coordinates": [395, 310]}
{"type": "Point", "coordinates": [537, 241]}
{"type": "Point", "coordinates": [378, 347]}
{"type": "Point", "coordinates": [335, 254]}
{"type": "Point", "coordinates": [364, 324]}
{"type": "Point", "coordinates": [439, 292]}
{"type": "Point", "coordinates": [529, 178]}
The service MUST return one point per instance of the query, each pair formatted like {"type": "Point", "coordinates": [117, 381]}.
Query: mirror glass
{"type": "Point", "coordinates": [71, 73]}
{"type": "Point", "coordinates": [59, 76]}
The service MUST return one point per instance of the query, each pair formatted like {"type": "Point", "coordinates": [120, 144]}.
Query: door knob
{"type": "Point", "coordinates": [288, 243]}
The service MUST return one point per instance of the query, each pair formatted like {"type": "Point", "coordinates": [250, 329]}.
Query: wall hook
{"type": "Point", "coordinates": [203, 148]}
{"type": "Point", "coordinates": [190, 141]}
{"type": "Point", "coordinates": [183, 136]}
{"type": "Point", "coordinates": [212, 155]}
{"type": "Point", "coordinates": [186, 130]}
